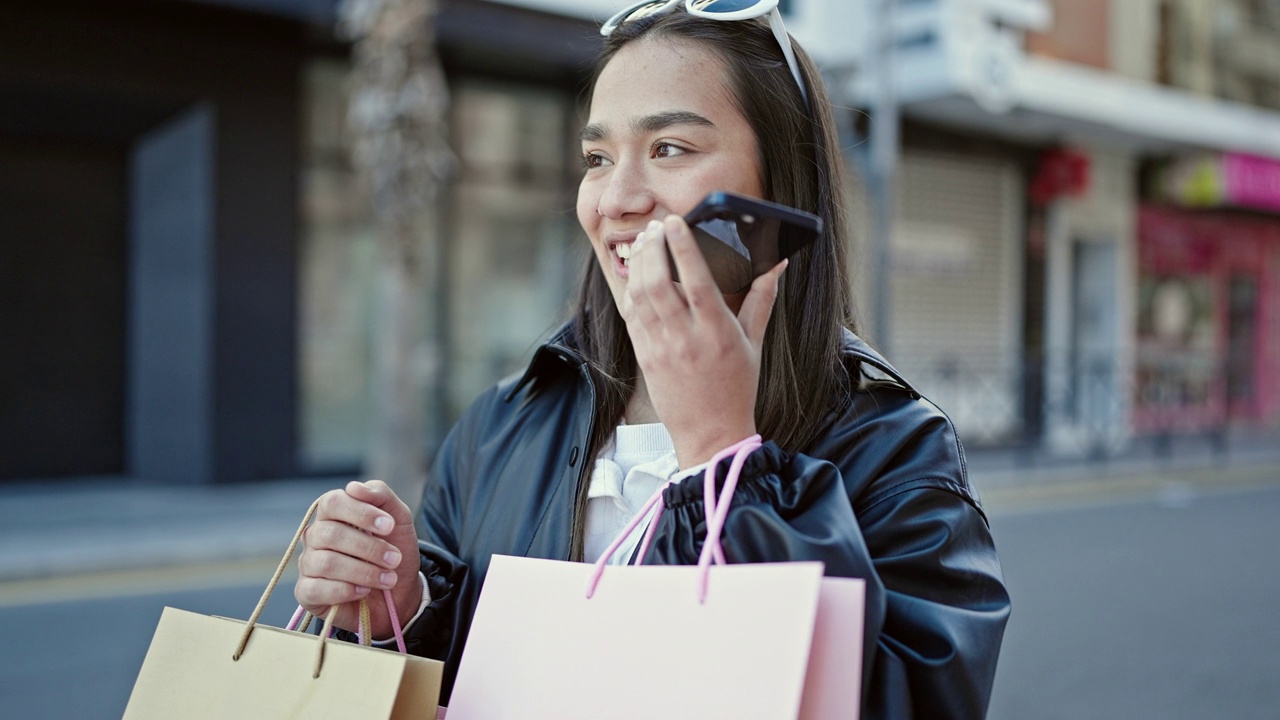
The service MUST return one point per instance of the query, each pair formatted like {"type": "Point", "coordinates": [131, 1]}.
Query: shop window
{"type": "Point", "coordinates": [510, 251]}
{"type": "Point", "coordinates": [1177, 368]}
{"type": "Point", "coordinates": [513, 244]}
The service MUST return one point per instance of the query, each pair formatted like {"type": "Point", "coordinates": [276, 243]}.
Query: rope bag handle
{"type": "Point", "coordinates": [300, 616]}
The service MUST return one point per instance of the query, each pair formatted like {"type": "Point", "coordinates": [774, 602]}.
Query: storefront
{"type": "Point", "coordinates": [1208, 333]}
{"type": "Point", "coordinates": [957, 282]}
{"type": "Point", "coordinates": [508, 243]}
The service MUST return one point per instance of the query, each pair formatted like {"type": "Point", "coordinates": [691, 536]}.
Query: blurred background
{"type": "Point", "coordinates": [1067, 234]}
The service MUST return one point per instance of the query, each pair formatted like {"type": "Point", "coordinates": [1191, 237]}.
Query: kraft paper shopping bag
{"type": "Point", "coordinates": [563, 640]}
{"type": "Point", "coordinates": [201, 668]}
{"type": "Point", "coordinates": [189, 673]}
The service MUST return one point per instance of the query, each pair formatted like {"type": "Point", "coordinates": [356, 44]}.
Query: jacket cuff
{"type": "Point", "coordinates": [768, 459]}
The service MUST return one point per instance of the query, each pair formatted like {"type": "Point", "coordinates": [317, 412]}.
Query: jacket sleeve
{"type": "Point", "coordinates": [936, 603]}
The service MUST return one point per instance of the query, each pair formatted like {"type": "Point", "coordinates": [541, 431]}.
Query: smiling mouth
{"type": "Point", "coordinates": [623, 251]}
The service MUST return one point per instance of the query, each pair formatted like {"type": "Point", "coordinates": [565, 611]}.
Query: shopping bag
{"type": "Point", "coordinates": [553, 639]}
{"type": "Point", "coordinates": [201, 667]}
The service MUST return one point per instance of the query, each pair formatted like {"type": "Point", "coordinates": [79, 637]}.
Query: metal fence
{"type": "Point", "coordinates": [1095, 409]}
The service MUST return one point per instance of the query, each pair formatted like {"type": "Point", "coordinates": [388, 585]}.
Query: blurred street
{"type": "Point", "coordinates": [1160, 606]}
{"type": "Point", "coordinates": [1144, 595]}
{"type": "Point", "coordinates": [1063, 225]}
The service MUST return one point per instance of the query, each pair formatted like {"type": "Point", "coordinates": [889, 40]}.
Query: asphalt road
{"type": "Point", "coordinates": [77, 658]}
{"type": "Point", "coordinates": [1164, 607]}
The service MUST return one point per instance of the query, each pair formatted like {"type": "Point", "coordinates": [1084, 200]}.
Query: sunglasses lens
{"type": "Point", "coordinates": [724, 6]}
{"type": "Point", "coordinates": [645, 10]}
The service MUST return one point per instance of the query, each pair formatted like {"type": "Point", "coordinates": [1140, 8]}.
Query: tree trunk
{"type": "Point", "coordinates": [398, 117]}
{"type": "Point", "coordinates": [396, 442]}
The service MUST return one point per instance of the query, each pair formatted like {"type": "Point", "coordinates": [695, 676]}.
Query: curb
{"type": "Point", "coordinates": [1171, 486]}
{"type": "Point", "coordinates": [95, 527]}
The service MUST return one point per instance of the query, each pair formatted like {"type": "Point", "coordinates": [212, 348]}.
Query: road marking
{"type": "Point", "coordinates": [1171, 488]}
{"type": "Point", "coordinates": [143, 581]}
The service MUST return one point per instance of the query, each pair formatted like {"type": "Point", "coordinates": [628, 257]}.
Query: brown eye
{"type": "Point", "coordinates": [664, 150]}
{"type": "Point", "coordinates": [592, 160]}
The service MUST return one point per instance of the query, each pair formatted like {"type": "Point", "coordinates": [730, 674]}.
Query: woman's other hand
{"type": "Point", "coordinates": [700, 360]}
{"type": "Point", "coordinates": [361, 542]}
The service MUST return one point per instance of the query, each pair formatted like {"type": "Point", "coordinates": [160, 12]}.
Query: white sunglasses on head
{"type": "Point", "coordinates": [719, 10]}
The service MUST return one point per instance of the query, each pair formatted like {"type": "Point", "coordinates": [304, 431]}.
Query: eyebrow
{"type": "Point", "coordinates": [647, 124]}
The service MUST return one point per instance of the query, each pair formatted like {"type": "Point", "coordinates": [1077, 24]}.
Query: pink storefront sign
{"type": "Point", "coordinates": [1251, 181]}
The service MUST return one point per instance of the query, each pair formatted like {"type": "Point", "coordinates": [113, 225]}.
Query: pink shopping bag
{"type": "Point", "coordinates": [562, 640]}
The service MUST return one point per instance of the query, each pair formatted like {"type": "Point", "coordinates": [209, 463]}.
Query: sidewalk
{"type": "Point", "coordinates": [1013, 479]}
{"type": "Point", "coordinates": [61, 528]}
{"type": "Point", "coordinates": [66, 527]}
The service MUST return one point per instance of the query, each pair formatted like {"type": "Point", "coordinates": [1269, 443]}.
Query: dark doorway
{"type": "Point", "coordinates": [1242, 311]}
{"type": "Point", "coordinates": [62, 301]}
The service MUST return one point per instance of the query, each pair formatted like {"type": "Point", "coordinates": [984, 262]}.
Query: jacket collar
{"type": "Point", "coordinates": [559, 351]}
{"type": "Point", "coordinates": [855, 347]}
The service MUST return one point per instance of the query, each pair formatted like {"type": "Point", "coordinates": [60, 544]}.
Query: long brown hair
{"type": "Point", "coordinates": [801, 376]}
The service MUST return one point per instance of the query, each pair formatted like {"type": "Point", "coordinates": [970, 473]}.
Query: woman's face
{"type": "Point", "coordinates": [663, 133]}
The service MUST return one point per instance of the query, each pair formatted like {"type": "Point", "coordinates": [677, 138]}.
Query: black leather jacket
{"type": "Point", "coordinates": [887, 481]}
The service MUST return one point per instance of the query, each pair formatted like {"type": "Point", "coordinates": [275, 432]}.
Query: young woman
{"type": "Point", "coordinates": [650, 378]}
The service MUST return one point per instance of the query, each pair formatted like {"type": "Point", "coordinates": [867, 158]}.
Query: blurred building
{"type": "Point", "coordinates": [1086, 246]}
{"type": "Point", "coordinates": [188, 257]}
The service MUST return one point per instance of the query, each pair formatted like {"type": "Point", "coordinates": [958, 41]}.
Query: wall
{"type": "Point", "coordinates": [86, 72]}
{"type": "Point", "coordinates": [1089, 360]}
{"type": "Point", "coordinates": [1081, 33]}
{"type": "Point", "coordinates": [62, 307]}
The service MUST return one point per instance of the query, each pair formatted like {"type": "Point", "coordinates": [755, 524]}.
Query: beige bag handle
{"type": "Point", "coordinates": [365, 623]}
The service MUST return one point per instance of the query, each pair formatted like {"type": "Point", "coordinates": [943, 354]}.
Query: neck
{"type": "Point", "coordinates": [639, 409]}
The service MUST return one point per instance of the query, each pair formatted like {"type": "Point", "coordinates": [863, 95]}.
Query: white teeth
{"type": "Point", "coordinates": [624, 250]}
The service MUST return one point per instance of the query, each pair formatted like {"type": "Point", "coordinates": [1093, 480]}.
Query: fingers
{"type": "Point", "coordinates": [384, 504]}
{"type": "Point", "coordinates": [327, 538]}
{"type": "Point", "coordinates": [341, 564]}
{"type": "Point", "coordinates": [700, 290]}
{"type": "Point", "coordinates": [757, 307]}
{"type": "Point", "coordinates": [317, 595]}
{"type": "Point", "coordinates": [654, 297]}
{"type": "Point", "coordinates": [347, 507]}
{"type": "Point", "coordinates": [339, 567]}
{"type": "Point", "coordinates": [362, 539]}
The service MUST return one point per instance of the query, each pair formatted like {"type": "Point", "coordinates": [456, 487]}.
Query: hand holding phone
{"type": "Point", "coordinates": [742, 238]}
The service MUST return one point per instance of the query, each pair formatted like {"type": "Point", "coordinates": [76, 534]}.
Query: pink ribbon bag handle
{"type": "Point", "coordinates": [716, 509]}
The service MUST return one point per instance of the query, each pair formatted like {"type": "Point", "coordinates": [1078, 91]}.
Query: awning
{"type": "Point", "coordinates": [1001, 91]}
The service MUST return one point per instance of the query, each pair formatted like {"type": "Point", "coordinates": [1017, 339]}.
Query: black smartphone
{"type": "Point", "coordinates": [742, 238]}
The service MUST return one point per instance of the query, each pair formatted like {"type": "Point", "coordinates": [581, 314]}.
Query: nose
{"type": "Point", "coordinates": [627, 192]}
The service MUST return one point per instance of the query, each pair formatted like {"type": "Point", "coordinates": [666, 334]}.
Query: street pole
{"type": "Point", "coordinates": [882, 169]}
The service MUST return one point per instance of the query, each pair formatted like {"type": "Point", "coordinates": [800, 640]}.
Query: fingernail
{"type": "Point", "coordinates": [387, 578]}
{"type": "Point", "coordinates": [391, 557]}
{"type": "Point", "coordinates": [654, 225]}
{"type": "Point", "coordinates": [384, 524]}
{"type": "Point", "coordinates": [361, 591]}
